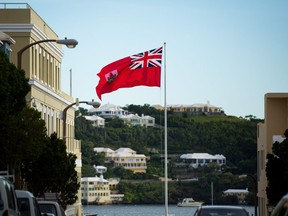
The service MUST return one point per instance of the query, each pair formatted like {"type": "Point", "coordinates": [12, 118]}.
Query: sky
{"type": "Point", "coordinates": [228, 53]}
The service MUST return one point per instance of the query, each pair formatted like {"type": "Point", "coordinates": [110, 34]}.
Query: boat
{"type": "Point", "coordinates": [90, 214]}
{"type": "Point", "coordinates": [189, 202]}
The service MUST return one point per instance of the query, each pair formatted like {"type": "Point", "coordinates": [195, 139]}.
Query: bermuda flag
{"type": "Point", "coordinates": [142, 69]}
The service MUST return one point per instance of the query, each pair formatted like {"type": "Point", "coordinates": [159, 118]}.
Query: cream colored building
{"type": "Point", "coordinates": [97, 121]}
{"type": "Point", "coordinates": [273, 128]}
{"type": "Point", "coordinates": [126, 158]}
{"type": "Point", "coordinates": [198, 108]}
{"type": "Point", "coordinates": [95, 190]}
{"type": "Point", "coordinates": [42, 64]}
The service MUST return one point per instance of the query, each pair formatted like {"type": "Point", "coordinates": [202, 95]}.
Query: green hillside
{"type": "Point", "coordinates": [235, 138]}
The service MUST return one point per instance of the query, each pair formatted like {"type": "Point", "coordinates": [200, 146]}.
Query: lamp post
{"type": "Point", "coordinates": [255, 190]}
{"type": "Point", "coordinates": [70, 43]}
{"type": "Point", "coordinates": [64, 113]}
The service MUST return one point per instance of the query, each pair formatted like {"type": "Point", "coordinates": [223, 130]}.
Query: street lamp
{"type": "Point", "coordinates": [255, 190]}
{"type": "Point", "coordinates": [70, 43]}
{"type": "Point", "coordinates": [64, 113]}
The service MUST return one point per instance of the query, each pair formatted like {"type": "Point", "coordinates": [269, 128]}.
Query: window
{"type": "Point", "coordinates": [10, 195]}
{"type": "Point", "coordinates": [24, 206]}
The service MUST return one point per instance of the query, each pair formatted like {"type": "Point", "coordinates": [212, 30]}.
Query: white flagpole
{"type": "Point", "coordinates": [165, 137]}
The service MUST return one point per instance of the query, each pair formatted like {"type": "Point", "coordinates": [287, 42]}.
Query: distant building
{"type": "Point", "coordinates": [97, 121]}
{"type": "Point", "coordinates": [200, 159]}
{"type": "Point", "coordinates": [194, 109]}
{"type": "Point", "coordinates": [108, 111]}
{"type": "Point", "coordinates": [126, 158]}
{"type": "Point", "coordinates": [98, 116]}
{"type": "Point", "coordinates": [97, 190]}
{"type": "Point", "coordinates": [134, 120]}
{"type": "Point", "coordinates": [240, 193]}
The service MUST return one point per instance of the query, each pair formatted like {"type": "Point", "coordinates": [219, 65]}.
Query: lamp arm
{"type": "Point", "coordinates": [20, 52]}
{"type": "Point", "coordinates": [64, 118]}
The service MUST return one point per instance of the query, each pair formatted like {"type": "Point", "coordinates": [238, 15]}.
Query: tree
{"type": "Point", "coordinates": [26, 150]}
{"type": "Point", "coordinates": [22, 132]}
{"type": "Point", "coordinates": [13, 89]}
{"type": "Point", "coordinates": [277, 171]}
{"type": "Point", "coordinates": [54, 171]}
{"type": "Point", "coordinates": [27, 139]}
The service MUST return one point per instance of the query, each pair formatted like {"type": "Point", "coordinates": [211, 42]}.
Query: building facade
{"type": "Point", "coordinates": [42, 65]}
{"type": "Point", "coordinates": [240, 193]}
{"type": "Point", "coordinates": [98, 116]}
{"type": "Point", "coordinates": [194, 109]}
{"type": "Point", "coordinates": [201, 159]}
{"type": "Point", "coordinates": [97, 190]}
{"type": "Point", "coordinates": [126, 158]}
{"type": "Point", "coordinates": [108, 111]}
{"type": "Point", "coordinates": [97, 121]}
{"type": "Point", "coordinates": [273, 128]}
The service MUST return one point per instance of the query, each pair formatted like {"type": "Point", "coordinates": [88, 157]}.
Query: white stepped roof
{"type": "Point", "coordinates": [93, 118]}
{"type": "Point", "coordinates": [107, 107]}
{"type": "Point", "coordinates": [201, 156]}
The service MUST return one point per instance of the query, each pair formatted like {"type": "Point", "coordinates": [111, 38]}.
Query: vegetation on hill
{"type": "Point", "coordinates": [233, 137]}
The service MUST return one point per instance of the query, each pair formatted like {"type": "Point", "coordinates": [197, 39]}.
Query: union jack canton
{"type": "Point", "coordinates": [151, 58]}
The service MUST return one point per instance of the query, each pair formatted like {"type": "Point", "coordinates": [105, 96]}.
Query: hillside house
{"type": "Point", "coordinates": [200, 159]}
{"type": "Point", "coordinates": [98, 115]}
{"type": "Point", "coordinates": [240, 193]}
{"type": "Point", "coordinates": [126, 158]}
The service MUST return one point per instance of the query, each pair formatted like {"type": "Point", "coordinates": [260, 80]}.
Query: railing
{"type": "Point", "coordinates": [14, 6]}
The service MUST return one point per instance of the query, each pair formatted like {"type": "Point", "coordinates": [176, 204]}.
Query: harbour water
{"type": "Point", "coordinates": [143, 210]}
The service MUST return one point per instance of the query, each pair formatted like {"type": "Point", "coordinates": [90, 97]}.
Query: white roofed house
{"type": "Point", "coordinates": [134, 120]}
{"type": "Point", "coordinates": [200, 159]}
{"type": "Point", "coordinates": [148, 121]}
{"type": "Point", "coordinates": [112, 111]}
{"type": "Point", "coordinates": [97, 121]}
{"type": "Point", "coordinates": [240, 193]}
{"type": "Point", "coordinates": [126, 118]}
{"type": "Point", "coordinates": [108, 111]}
{"type": "Point", "coordinates": [107, 151]}
{"type": "Point", "coordinates": [125, 157]}
{"type": "Point", "coordinates": [95, 190]}
{"type": "Point", "coordinates": [131, 119]}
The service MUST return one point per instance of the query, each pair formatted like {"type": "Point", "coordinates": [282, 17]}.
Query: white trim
{"type": "Point", "coordinates": [48, 91]}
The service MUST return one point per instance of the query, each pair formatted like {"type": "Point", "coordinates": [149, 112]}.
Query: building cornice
{"type": "Point", "coordinates": [48, 91]}
{"type": "Point", "coordinates": [31, 28]}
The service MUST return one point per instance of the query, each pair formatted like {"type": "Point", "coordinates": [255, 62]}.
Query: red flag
{"type": "Point", "coordinates": [143, 69]}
